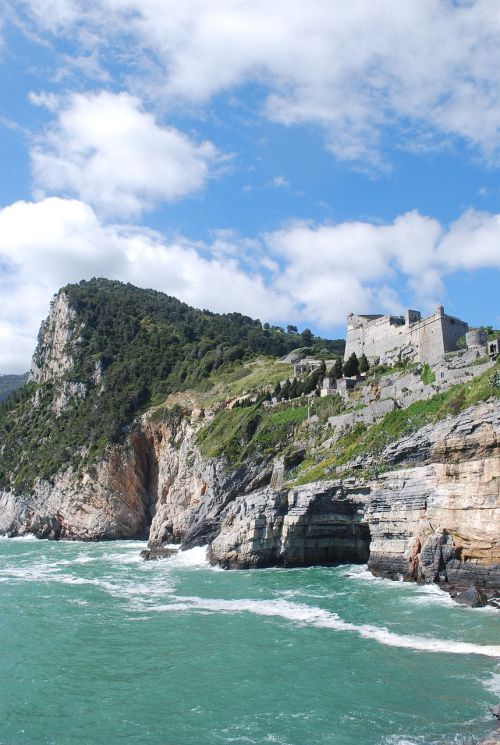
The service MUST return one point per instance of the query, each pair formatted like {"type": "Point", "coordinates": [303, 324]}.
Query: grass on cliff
{"type": "Point", "coordinates": [250, 432]}
{"type": "Point", "coordinates": [236, 379]}
{"type": "Point", "coordinates": [363, 440]}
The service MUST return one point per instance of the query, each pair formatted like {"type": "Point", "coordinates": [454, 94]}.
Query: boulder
{"type": "Point", "coordinates": [473, 597]}
{"type": "Point", "coordinates": [153, 554]}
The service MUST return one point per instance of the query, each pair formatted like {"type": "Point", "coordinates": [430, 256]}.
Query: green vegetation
{"type": "Point", "coordinates": [250, 432]}
{"type": "Point", "coordinates": [235, 379]}
{"type": "Point", "coordinates": [492, 333]}
{"type": "Point", "coordinates": [351, 366]}
{"type": "Point", "coordinates": [326, 407]}
{"type": "Point", "coordinates": [362, 440]}
{"type": "Point", "coordinates": [364, 365]}
{"type": "Point", "coordinates": [146, 346]}
{"type": "Point", "coordinates": [427, 376]}
{"type": "Point", "coordinates": [10, 383]}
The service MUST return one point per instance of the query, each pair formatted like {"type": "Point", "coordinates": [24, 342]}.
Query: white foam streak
{"type": "Point", "coordinates": [320, 618]}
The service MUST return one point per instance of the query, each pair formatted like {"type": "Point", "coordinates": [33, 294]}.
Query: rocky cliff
{"type": "Point", "coordinates": [424, 507]}
{"type": "Point", "coordinates": [433, 516]}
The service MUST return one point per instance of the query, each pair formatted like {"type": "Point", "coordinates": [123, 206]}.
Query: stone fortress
{"type": "Point", "coordinates": [455, 354]}
{"type": "Point", "coordinates": [389, 339]}
{"type": "Point", "coordinates": [453, 351]}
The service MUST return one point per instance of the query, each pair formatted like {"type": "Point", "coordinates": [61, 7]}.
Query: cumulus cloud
{"type": "Point", "coordinates": [105, 149]}
{"type": "Point", "coordinates": [47, 244]}
{"type": "Point", "coordinates": [335, 269]}
{"type": "Point", "coordinates": [473, 242]}
{"type": "Point", "coordinates": [353, 69]}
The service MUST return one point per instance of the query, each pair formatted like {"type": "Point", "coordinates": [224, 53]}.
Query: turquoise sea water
{"type": "Point", "coordinates": [100, 647]}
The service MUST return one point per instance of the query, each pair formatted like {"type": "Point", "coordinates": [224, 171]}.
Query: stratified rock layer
{"type": "Point", "coordinates": [431, 515]}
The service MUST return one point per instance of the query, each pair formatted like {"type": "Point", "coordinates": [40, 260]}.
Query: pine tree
{"type": "Point", "coordinates": [364, 365]}
{"type": "Point", "coordinates": [351, 367]}
{"type": "Point", "coordinates": [285, 391]}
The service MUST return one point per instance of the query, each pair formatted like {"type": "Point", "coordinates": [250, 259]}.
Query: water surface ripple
{"type": "Point", "coordinates": [100, 647]}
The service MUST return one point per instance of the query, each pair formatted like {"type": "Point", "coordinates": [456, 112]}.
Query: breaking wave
{"type": "Point", "coordinates": [320, 618]}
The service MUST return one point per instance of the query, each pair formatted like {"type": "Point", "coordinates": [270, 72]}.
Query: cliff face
{"type": "Point", "coordinates": [57, 335]}
{"type": "Point", "coordinates": [431, 514]}
{"type": "Point", "coordinates": [433, 521]}
{"type": "Point", "coordinates": [438, 522]}
{"type": "Point", "coordinates": [110, 500]}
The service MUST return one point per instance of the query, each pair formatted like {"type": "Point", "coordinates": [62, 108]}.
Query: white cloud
{"type": "Point", "coordinates": [110, 153]}
{"type": "Point", "coordinates": [352, 68]}
{"type": "Point", "coordinates": [473, 242]}
{"type": "Point", "coordinates": [308, 274]}
{"type": "Point", "coordinates": [279, 182]}
{"type": "Point", "coordinates": [45, 245]}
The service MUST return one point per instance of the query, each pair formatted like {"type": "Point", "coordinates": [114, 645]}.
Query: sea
{"type": "Point", "coordinates": [98, 646]}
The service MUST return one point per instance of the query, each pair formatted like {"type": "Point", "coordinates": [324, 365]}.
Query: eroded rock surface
{"type": "Point", "coordinates": [435, 517]}
{"type": "Point", "coordinates": [432, 514]}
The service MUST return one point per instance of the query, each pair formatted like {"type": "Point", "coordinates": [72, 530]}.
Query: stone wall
{"type": "Point", "coordinates": [386, 338]}
{"type": "Point", "coordinates": [375, 336]}
{"type": "Point", "coordinates": [366, 415]}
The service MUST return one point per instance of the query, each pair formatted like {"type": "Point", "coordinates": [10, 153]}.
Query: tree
{"type": "Point", "coordinates": [291, 329]}
{"type": "Point", "coordinates": [277, 389]}
{"type": "Point", "coordinates": [285, 390]}
{"type": "Point", "coordinates": [351, 366]}
{"type": "Point", "coordinates": [310, 383]}
{"type": "Point", "coordinates": [364, 365]}
{"type": "Point", "coordinates": [337, 368]}
{"type": "Point", "coordinates": [307, 337]}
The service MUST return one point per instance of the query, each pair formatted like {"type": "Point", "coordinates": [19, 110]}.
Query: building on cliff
{"type": "Point", "coordinates": [386, 339]}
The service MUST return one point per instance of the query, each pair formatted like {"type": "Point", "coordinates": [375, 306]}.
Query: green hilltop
{"type": "Point", "coordinates": [146, 346]}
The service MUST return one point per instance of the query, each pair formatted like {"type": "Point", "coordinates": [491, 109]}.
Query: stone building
{"type": "Point", "coordinates": [493, 348]}
{"type": "Point", "coordinates": [410, 337]}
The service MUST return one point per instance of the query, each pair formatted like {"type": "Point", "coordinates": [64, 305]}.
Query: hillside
{"type": "Point", "coordinates": [107, 352]}
{"type": "Point", "coordinates": [10, 383]}
{"type": "Point", "coordinates": [145, 417]}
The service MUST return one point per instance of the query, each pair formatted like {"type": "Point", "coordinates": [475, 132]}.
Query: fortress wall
{"type": "Point", "coordinates": [385, 337]}
{"type": "Point", "coordinates": [374, 337]}
{"type": "Point", "coordinates": [453, 330]}
{"type": "Point", "coordinates": [437, 334]}
{"type": "Point", "coordinates": [427, 335]}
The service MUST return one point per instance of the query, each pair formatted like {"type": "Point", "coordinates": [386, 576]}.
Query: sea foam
{"type": "Point", "coordinates": [320, 618]}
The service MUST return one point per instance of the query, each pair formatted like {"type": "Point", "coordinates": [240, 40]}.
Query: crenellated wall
{"type": "Point", "coordinates": [387, 338]}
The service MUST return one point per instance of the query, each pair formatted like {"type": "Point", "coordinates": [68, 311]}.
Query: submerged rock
{"type": "Point", "coordinates": [153, 554]}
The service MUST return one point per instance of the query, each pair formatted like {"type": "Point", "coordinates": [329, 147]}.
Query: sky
{"type": "Point", "coordinates": [293, 160]}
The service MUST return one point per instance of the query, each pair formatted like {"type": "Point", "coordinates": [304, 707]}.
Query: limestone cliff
{"type": "Point", "coordinates": [424, 507]}
{"type": "Point", "coordinates": [436, 522]}
{"type": "Point", "coordinates": [57, 336]}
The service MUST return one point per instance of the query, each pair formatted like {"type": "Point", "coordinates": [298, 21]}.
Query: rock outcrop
{"type": "Point", "coordinates": [432, 516]}
{"type": "Point", "coordinates": [57, 334]}
{"type": "Point", "coordinates": [437, 522]}
{"type": "Point", "coordinates": [430, 511]}
{"type": "Point", "coordinates": [111, 500]}
{"type": "Point", "coordinates": [317, 524]}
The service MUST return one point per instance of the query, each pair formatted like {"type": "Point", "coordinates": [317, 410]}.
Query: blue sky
{"type": "Point", "coordinates": [289, 159]}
